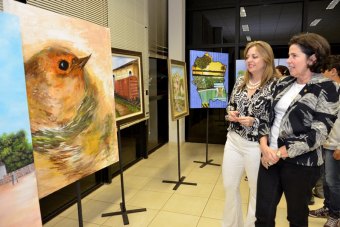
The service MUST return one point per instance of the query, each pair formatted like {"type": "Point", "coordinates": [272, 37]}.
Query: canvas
{"type": "Point", "coordinates": [178, 89]}
{"type": "Point", "coordinates": [19, 204]}
{"type": "Point", "coordinates": [70, 92]}
{"type": "Point", "coordinates": [208, 79]}
{"type": "Point", "coordinates": [127, 73]}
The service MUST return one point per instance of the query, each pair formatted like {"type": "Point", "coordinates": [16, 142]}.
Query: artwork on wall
{"type": "Point", "coordinates": [178, 89]}
{"type": "Point", "coordinates": [128, 85]}
{"type": "Point", "coordinates": [208, 79]}
{"type": "Point", "coordinates": [18, 185]}
{"type": "Point", "coordinates": [241, 65]}
{"type": "Point", "coordinates": [70, 95]}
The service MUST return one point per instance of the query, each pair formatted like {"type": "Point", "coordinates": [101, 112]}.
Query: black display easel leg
{"type": "Point", "coordinates": [180, 179]}
{"type": "Point", "coordinates": [80, 213]}
{"type": "Point", "coordinates": [123, 211]}
{"type": "Point", "coordinates": [207, 162]}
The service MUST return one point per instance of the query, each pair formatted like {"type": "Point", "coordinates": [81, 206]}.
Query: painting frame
{"type": "Point", "coordinates": [184, 108]}
{"type": "Point", "coordinates": [118, 55]}
{"type": "Point", "coordinates": [208, 79]}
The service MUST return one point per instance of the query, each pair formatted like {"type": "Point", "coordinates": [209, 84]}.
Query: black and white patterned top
{"type": "Point", "coordinates": [256, 106]}
{"type": "Point", "coordinates": [308, 120]}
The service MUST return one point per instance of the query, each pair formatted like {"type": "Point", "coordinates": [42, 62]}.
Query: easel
{"type": "Point", "coordinates": [180, 178]}
{"type": "Point", "coordinates": [123, 211]}
{"type": "Point", "coordinates": [80, 213]}
{"type": "Point", "coordinates": [207, 162]}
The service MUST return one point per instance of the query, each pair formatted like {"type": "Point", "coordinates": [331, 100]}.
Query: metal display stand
{"type": "Point", "coordinates": [207, 162]}
{"type": "Point", "coordinates": [123, 211]}
{"type": "Point", "coordinates": [80, 213]}
{"type": "Point", "coordinates": [180, 178]}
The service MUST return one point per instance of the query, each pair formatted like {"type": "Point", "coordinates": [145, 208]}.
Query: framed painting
{"type": "Point", "coordinates": [208, 79]}
{"type": "Point", "coordinates": [178, 89]}
{"type": "Point", "coordinates": [127, 73]}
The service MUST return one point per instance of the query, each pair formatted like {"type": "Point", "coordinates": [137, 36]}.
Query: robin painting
{"type": "Point", "coordinates": [55, 86]}
{"type": "Point", "coordinates": [68, 125]}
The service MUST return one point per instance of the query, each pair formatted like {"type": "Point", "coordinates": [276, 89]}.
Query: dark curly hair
{"type": "Point", "coordinates": [283, 70]}
{"type": "Point", "coordinates": [333, 61]}
{"type": "Point", "coordinates": [311, 43]}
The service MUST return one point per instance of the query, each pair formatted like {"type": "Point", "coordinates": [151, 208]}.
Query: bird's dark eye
{"type": "Point", "coordinates": [63, 65]}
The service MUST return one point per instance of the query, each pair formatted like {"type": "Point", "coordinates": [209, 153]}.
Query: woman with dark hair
{"type": "Point", "coordinates": [302, 113]}
{"type": "Point", "coordinates": [283, 70]}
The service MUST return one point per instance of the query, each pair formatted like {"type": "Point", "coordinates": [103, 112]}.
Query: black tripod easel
{"type": "Point", "coordinates": [123, 211]}
{"type": "Point", "coordinates": [180, 178]}
{"type": "Point", "coordinates": [207, 162]}
{"type": "Point", "coordinates": [80, 213]}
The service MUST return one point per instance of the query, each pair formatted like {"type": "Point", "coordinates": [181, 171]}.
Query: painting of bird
{"type": "Point", "coordinates": [55, 77]}
{"type": "Point", "coordinates": [69, 91]}
{"type": "Point", "coordinates": [63, 103]}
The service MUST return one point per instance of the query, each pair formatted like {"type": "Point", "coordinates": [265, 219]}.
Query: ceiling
{"type": "Point", "coordinates": [272, 21]}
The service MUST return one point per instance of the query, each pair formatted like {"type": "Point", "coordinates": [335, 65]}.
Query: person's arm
{"type": "Point", "coordinates": [336, 154]}
{"type": "Point", "coordinates": [336, 134]}
{"type": "Point", "coordinates": [264, 124]}
{"type": "Point", "coordinates": [269, 156]}
{"type": "Point", "coordinates": [324, 115]}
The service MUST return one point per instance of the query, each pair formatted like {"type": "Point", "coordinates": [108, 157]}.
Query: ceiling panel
{"type": "Point", "coordinates": [274, 21]}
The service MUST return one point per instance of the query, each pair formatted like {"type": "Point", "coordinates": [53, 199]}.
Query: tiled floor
{"type": "Point", "coordinates": [188, 206]}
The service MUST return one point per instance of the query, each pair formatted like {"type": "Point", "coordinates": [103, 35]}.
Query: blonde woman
{"type": "Point", "coordinates": [247, 105]}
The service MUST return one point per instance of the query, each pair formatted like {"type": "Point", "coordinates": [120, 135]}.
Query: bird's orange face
{"type": "Point", "coordinates": [62, 68]}
{"type": "Point", "coordinates": [53, 77]}
{"type": "Point", "coordinates": [64, 64]}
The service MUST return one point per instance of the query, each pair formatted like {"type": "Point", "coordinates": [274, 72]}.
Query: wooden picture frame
{"type": "Point", "coordinates": [178, 89]}
{"type": "Point", "coordinates": [127, 72]}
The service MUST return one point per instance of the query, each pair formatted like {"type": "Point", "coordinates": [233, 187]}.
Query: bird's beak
{"type": "Point", "coordinates": [82, 61]}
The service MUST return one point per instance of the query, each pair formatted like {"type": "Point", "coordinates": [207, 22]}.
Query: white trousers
{"type": "Point", "coordinates": [239, 155]}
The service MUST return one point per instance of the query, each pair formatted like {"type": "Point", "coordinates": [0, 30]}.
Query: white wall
{"type": "Point", "coordinates": [176, 31]}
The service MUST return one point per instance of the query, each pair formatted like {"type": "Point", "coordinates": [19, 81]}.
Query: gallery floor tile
{"type": "Point", "coordinates": [188, 206]}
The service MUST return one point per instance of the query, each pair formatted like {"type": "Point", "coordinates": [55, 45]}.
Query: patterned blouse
{"type": "Point", "coordinates": [308, 120]}
{"type": "Point", "coordinates": [256, 106]}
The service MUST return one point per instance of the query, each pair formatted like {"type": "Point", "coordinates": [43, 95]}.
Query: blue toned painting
{"type": "Point", "coordinates": [208, 79]}
{"type": "Point", "coordinates": [13, 101]}
{"type": "Point", "coordinates": [18, 185]}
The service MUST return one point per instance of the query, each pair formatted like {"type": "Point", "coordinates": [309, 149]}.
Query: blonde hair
{"type": "Point", "coordinates": [267, 54]}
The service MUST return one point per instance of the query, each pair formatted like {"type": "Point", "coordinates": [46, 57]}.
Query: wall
{"type": "Point", "coordinates": [176, 31]}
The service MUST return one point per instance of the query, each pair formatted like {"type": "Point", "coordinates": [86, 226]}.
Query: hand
{"type": "Point", "coordinates": [246, 121]}
{"type": "Point", "coordinates": [233, 116]}
{"type": "Point", "coordinates": [269, 155]}
{"type": "Point", "coordinates": [336, 154]}
{"type": "Point", "coordinates": [284, 153]}
{"type": "Point", "coordinates": [264, 163]}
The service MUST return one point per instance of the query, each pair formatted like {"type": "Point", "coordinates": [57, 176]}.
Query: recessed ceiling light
{"type": "Point", "coordinates": [243, 12]}
{"type": "Point", "coordinates": [245, 28]}
{"type": "Point", "coordinates": [248, 38]}
{"type": "Point", "coordinates": [332, 4]}
{"type": "Point", "coordinates": [315, 22]}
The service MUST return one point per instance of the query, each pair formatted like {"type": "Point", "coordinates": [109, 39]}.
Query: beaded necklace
{"type": "Point", "coordinates": [253, 86]}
